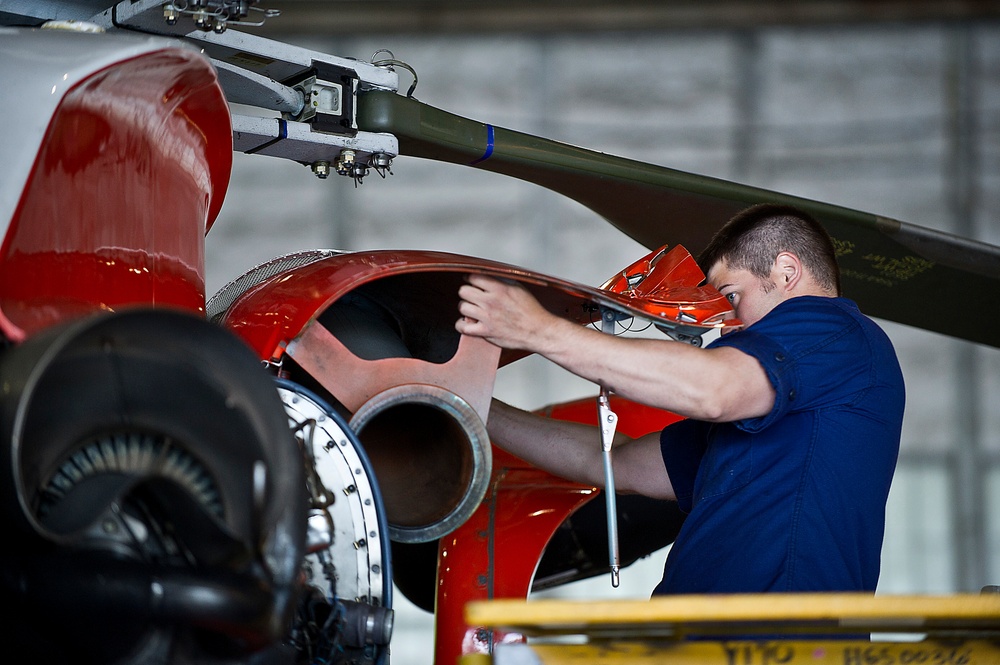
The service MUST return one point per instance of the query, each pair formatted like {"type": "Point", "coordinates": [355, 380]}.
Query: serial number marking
{"type": "Point", "coordinates": [759, 653]}
{"type": "Point", "coordinates": [907, 656]}
{"type": "Point", "coordinates": [789, 653]}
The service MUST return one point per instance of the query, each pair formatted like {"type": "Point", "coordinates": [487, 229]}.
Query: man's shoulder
{"type": "Point", "coordinates": [816, 314]}
{"type": "Point", "coordinates": [828, 305]}
{"type": "Point", "coordinates": [807, 323]}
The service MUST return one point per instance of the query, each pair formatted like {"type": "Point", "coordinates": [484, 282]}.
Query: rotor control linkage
{"type": "Point", "coordinates": [608, 423]}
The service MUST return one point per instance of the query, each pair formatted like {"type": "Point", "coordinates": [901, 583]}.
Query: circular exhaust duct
{"type": "Point", "coordinates": [431, 455]}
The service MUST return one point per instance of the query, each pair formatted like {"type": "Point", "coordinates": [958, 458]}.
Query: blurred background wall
{"type": "Point", "coordinates": [892, 108]}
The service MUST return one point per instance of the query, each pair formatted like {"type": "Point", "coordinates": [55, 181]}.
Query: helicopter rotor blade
{"type": "Point", "coordinates": [893, 270]}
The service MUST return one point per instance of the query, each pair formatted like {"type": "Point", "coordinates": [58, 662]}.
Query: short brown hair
{"type": "Point", "coordinates": [753, 238]}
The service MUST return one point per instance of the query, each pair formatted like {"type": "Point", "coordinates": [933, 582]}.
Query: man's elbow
{"type": "Point", "coordinates": [728, 406]}
{"type": "Point", "coordinates": [707, 403]}
{"type": "Point", "coordinates": [712, 411]}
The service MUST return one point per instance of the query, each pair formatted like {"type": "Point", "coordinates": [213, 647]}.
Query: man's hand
{"type": "Point", "coordinates": [503, 313]}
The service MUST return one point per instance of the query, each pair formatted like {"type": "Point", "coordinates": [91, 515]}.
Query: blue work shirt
{"type": "Point", "coordinates": [793, 500]}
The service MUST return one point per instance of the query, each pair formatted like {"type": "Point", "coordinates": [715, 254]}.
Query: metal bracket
{"type": "Point", "coordinates": [310, 98]}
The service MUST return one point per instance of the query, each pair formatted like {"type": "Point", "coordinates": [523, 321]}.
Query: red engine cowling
{"type": "Point", "coordinates": [106, 200]}
{"type": "Point", "coordinates": [374, 333]}
{"type": "Point", "coordinates": [371, 333]}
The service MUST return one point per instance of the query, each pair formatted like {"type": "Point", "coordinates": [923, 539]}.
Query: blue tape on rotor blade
{"type": "Point", "coordinates": [282, 135]}
{"type": "Point", "coordinates": [489, 146]}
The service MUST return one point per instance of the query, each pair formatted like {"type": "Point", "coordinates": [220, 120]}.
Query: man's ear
{"type": "Point", "coordinates": [788, 271]}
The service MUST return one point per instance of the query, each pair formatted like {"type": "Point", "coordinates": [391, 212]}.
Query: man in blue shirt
{"type": "Point", "coordinates": [785, 460]}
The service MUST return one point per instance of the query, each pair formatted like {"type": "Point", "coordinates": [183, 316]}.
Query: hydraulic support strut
{"type": "Point", "coordinates": [608, 422]}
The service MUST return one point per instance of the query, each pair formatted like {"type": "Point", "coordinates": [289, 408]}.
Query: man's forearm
{"type": "Point", "coordinates": [566, 449]}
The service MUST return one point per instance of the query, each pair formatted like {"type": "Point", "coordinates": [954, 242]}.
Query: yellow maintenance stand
{"type": "Point", "coordinates": [751, 629]}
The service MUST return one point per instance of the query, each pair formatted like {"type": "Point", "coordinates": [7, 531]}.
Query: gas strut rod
{"type": "Point", "coordinates": [608, 422]}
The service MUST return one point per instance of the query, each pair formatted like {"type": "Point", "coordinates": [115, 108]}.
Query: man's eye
{"type": "Point", "coordinates": [731, 297]}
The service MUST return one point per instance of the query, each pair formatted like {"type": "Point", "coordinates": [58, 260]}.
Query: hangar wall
{"type": "Point", "coordinates": [901, 120]}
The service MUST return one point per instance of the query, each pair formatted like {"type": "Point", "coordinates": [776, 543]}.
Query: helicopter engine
{"type": "Point", "coordinates": [153, 490]}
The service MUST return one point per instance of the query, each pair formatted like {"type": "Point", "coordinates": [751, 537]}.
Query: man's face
{"type": "Point", "coordinates": [745, 291]}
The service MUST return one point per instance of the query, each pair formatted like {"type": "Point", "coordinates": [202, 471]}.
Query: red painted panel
{"type": "Point", "coordinates": [495, 553]}
{"type": "Point", "coordinates": [634, 419]}
{"type": "Point", "coordinates": [130, 175]}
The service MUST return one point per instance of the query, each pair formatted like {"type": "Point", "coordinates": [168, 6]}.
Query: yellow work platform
{"type": "Point", "coordinates": [751, 629]}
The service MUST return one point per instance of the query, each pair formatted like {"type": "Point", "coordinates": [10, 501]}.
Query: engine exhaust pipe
{"type": "Point", "coordinates": [421, 422]}
{"type": "Point", "coordinates": [431, 455]}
